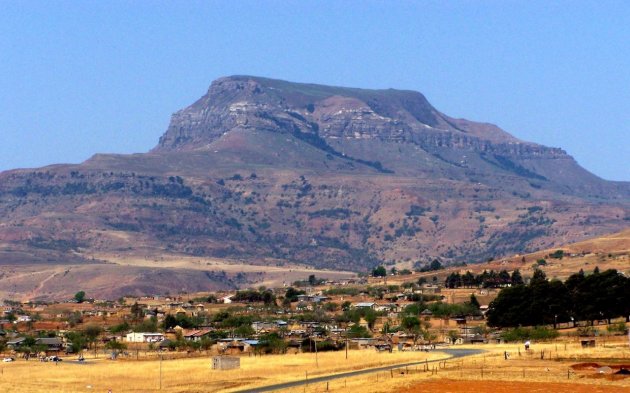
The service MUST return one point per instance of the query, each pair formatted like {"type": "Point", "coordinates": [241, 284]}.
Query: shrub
{"type": "Point", "coordinates": [617, 328]}
{"type": "Point", "coordinates": [535, 333]}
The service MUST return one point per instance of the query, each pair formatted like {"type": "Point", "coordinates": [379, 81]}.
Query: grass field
{"type": "Point", "coordinates": [490, 372]}
{"type": "Point", "coordinates": [187, 374]}
{"type": "Point", "coordinates": [487, 372]}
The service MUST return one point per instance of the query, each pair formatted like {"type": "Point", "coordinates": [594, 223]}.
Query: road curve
{"type": "Point", "coordinates": [454, 354]}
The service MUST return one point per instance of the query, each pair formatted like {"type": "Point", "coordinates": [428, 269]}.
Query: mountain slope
{"type": "Point", "coordinates": [272, 172]}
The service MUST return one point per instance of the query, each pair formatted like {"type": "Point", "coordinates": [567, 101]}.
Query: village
{"type": "Point", "coordinates": [414, 311]}
{"type": "Point", "coordinates": [323, 315]}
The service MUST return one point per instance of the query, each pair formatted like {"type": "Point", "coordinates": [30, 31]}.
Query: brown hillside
{"type": "Point", "coordinates": [275, 173]}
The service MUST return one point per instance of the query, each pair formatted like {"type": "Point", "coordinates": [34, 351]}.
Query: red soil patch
{"type": "Point", "coordinates": [595, 366]}
{"type": "Point", "coordinates": [451, 386]}
{"type": "Point", "coordinates": [585, 366]}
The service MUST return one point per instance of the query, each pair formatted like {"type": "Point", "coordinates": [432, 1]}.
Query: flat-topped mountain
{"type": "Point", "coordinates": [270, 172]}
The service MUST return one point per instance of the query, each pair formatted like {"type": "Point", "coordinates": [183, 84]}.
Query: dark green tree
{"type": "Point", "coordinates": [79, 296]}
{"type": "Point", "coordinates": [517, 278]}
{"type": "Point", "coordinates": [379, 271]}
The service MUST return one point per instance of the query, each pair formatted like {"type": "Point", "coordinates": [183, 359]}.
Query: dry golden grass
{"type": "Point", "coordinates": [187, 374]}
{"type": "Point", "coordinates": [195, 375]}
{"type": "Point", "coordinates": [497, 374]}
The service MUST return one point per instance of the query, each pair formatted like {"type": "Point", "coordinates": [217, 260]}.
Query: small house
{"type": "Point", "coordinates": [144, 337]}
{"type": "Point", "coordinates": [226, 362]}
{"type": "Point", "coordinates": [364, 305]}
{"type": "Point", "coordinates": [52, 344]}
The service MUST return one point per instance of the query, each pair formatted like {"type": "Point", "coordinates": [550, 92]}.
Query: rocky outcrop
{"type": "Point", "coordinates": [329, 112]}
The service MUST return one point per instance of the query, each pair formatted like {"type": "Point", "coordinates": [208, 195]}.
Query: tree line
{"type": "Point", "coordinates": [487, 279]}
{"type": "Point", "coordinates": [582, 297]}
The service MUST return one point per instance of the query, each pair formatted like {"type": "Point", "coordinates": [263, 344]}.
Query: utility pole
{"type": "Point", "coordinates": [315, 344]}
{"type": "Point", "coordinates": [160, 371]}
{"type": "Point", "coordinates": [347, 341]}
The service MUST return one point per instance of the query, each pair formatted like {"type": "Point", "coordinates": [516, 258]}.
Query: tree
{"type": "Point", "coordinates": [269, 298]}
{"type": "Point", "coordinates": [474, 302]}
{"type": "Point", "coordinates": [115, 345]}
{"type": "Point", "coordinates": [468, 279]}
{"type": "Point", "coordinates": [77, 341]}
{"type": "Point", "coordinates": [379, 271]}
{"type": "Point", "coordinates": [435, 265]}
{"type": "Point", "coordinates": [91, 333]}
{"type": "Point", "coordinates": [538, 276]}
{"type": "Point", "coordinates": [79, 296]}
{"type": "Point", "coordinates": [136, 311]}
{"type": "Point", "coordinates": [244, 331]}
{"type": "Point", "coordinates": [517, 278]}
{"type": "Point", "coordinates": [511, 307]}
{"type": "Point", "coordinates": [169, 322]}
{"type": "Point", "coordinates": [414, 327]}
{"type": "Point", "coordinates": [272, 343]}
{"type": "Point", "coordinates": [120, 328]}
{"type": "Point", "coordinates": [358, 331]}
{"type": "Point", "coordinates": [292, 294]}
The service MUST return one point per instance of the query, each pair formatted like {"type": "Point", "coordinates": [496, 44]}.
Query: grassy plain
{"type": "Point", "coordinates": [188, 374]}
{"type": "Point", "coordinates": [490, 372]}
{"type": "Point", "coordinates": [486, 372]}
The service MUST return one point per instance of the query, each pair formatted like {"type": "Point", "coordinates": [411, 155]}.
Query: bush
{"type": "Point", "coordinates": [617, 328]}
{"type": "Point", "coordinates": [535, 333]}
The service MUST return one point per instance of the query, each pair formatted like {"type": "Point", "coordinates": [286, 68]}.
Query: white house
{"type": "Point", "coordinates": [144, 337]}
{"type": "Point", "coordinates": [23, 318]}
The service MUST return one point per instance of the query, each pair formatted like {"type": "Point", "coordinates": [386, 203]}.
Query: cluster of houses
{"type": "Point", "coordinates": [18, 320]}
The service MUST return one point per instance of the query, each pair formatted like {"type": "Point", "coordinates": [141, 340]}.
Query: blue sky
{"type": "Point", "coordinates": [78, 78]}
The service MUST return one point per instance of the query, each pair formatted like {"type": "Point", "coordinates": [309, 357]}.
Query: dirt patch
{"type": "Point", "coordinates": [595, 366]}
{"type": "Point", "coordinates": [585, 366]}
{"type": "Point", "coordinates": [451, 386]}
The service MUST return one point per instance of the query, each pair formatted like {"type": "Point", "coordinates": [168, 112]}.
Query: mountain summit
{"type": "Point", "coordinates": [243, 102]}
{"type": "Point", "coordinates": [367, 123]}
{"type": "Point", "coordinates": [271, 172]}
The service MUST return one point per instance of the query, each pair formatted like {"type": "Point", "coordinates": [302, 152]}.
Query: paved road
{"type": "Point", "coordinates": [454, 353]}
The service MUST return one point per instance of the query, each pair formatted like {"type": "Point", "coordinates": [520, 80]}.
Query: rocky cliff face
{"type": "Point", "coordinates": [338, 119]}
{"type": "Point", "coordinates": [329, 112]}
{"type": "Point", "coordinates": [272, 172]}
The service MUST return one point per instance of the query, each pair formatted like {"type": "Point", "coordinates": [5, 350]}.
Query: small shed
{"type": "Point", "coordinates": [226, 362]}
